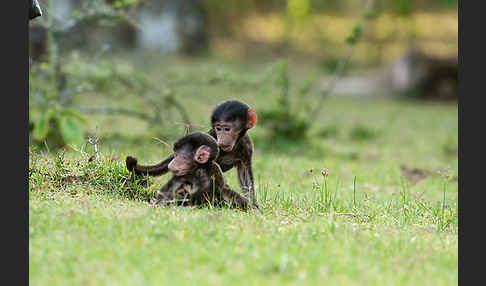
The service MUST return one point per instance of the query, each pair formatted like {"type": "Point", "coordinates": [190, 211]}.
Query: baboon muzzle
{"type": "Point", "coordinates": [226, 143]}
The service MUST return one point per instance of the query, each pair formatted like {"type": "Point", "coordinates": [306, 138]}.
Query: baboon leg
{"type": "Point", "coordinates": [245, 178]}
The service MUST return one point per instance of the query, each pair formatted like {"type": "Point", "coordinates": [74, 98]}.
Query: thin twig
{"type": "Point", "coordinates": [332, 83]}
{"type": "Point", "coordinates": [163, 142]}
{"type": "Point", "coordinates": [188, 127]}
{"type": "Point", "coordinates": [339, 70]}
{"type": "Point", "coordinates": [93, 140]}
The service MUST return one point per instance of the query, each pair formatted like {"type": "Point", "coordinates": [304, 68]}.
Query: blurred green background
{"type": "Point", "coordinates": [136, 58]}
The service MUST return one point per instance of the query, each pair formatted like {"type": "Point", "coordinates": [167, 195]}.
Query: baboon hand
{"type": "Point", "coordinates": [256, 208]}
{"type": "Point", "coordinates": [131, 163]}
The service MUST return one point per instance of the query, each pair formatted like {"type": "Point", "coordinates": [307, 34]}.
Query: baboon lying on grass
{"type": "Point", "coordinates": [197, 179]}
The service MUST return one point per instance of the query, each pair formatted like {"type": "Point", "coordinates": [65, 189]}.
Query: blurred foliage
{"type": "Point", "coordinates": [283, 120]}
{"type": "Point", "coordinates": [300, 7]}
{"type": "Point", "coordinates": [50, 120]}
{"type": "Point", "coordinates": [54, 85]}
{"type": "Point", "coordinates": [124, 4]}
{"type": "Point", "coordinates": [331, 131]}
{"type": "Point", "coordinates": [315, 28]}
{"type": "Point", "coordinates": [54, 118]}
{"type": "Point", "coordinates": [356, 34]}
{"type": "Point", "coordinates": [450, 146]}
{"type": "Point", "coordinates": [403, 7]}
{"type": "Point", "coordinates": [362, 133]}
{"type": "Point", "coordinates": [288, 122]}
{"type": "Point", "coordinates": [56, 125]}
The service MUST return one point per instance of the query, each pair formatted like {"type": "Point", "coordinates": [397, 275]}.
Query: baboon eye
{"type": "Point", "coordinates": [227, 129]}
{"type": "Point", "coordinates": [218, 128]}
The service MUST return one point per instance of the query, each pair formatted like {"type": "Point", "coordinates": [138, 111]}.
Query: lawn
{"type": "Point", "coordinates": [366, 221]}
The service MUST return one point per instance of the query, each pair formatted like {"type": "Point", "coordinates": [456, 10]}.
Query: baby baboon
{"type": "Point", "coordinates": [230, 121]}
{"type": "Point", "coordinates": [197, 179]}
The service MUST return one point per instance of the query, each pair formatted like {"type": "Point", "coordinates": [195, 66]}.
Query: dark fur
{"type": "Point", "coordinates": [197, 139]}
{"type": "Point", "coordinates": [203, 185]}
{"type": "Point", "coordinates": [239, 157]}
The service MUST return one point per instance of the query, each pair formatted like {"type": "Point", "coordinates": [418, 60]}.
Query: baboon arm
{"type": "Point", "coordinates": [245, 178]}
{"type": "Point", "coordinates": [228, 195]}
{"type": "Point", "coordinates": [167, 193]}
{"type": "Point", "coordinates": [235, 198]}
{"type": "Point", "coordinates": [152, 170]}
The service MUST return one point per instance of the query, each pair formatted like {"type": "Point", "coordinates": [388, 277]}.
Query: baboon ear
{"type": "Point", "coordinates": [202, 154]}
{"type": "Point", "coordinates": [251, 119]}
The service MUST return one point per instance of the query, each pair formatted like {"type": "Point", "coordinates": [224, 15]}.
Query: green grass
{"type": "Point", "coordinates": [363, 224]}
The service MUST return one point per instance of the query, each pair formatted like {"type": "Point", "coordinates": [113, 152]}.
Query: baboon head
{"type": "Point", "coordinates": [231, 120]}
{"type": "Point", "coordinates": [191, 151]}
